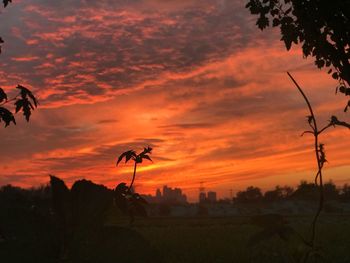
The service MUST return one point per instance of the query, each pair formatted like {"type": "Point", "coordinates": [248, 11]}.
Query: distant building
{"type": "Point", "coordinates": [169, 196]}
{"type": "Point", "coordinates": [211, 197]}
{"type": "Point", "coordinates": [173, 196]}
{"type": "Point", "coordinates": [202, 197]}
{"type": "Point", "coordinates": [158, 194]}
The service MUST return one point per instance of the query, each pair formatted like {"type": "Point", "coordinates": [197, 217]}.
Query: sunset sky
{"type": "Point", "coordinates": [194, 79]}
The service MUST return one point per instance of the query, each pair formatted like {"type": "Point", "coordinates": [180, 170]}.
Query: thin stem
{"type": "Point", "coordinates": [305, 98]}
{"type": "Point", "coordinates": [311, 132]}
{"type": "Point", "coordinates": [7, 101]}
{"type": "Point", "coordinates": [133, 177]}
{"type": "Point", "coordinates": [325, 128]}
{"type": "Point", "coordinates": [319, 163]}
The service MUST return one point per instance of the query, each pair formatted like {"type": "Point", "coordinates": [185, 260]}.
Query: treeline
{"type": "Point", "coordinates": [41, 196]}
{"type": "Point", "coordinates": [304, 191]}
{"type": "Point", "coordinates": [55, 223]}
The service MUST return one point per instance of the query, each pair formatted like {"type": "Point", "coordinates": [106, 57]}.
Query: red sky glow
{"type": "Point", "coordinates": [195, 80]}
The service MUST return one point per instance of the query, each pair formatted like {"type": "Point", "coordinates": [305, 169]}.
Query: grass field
{"type": "Point", "coordinates": [225, 239]}
{"type": "Point", "coordinates": [182, 240]}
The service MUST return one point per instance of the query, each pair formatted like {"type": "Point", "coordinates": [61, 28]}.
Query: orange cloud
{"type": "Point", "coordinates": [201, 86]}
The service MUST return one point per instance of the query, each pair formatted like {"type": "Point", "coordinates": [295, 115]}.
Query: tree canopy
{"type": "Point", "coordinates": [322, 28]}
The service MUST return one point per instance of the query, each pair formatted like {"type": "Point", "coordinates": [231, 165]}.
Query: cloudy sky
{"type": "Point", "coordinates": [195, 80]}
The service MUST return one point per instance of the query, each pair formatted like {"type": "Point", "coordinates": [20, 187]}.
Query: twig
{"type": "Point", "coordinates": [318, 159]}
{"type": "Point", "coordinates": [7, 101]}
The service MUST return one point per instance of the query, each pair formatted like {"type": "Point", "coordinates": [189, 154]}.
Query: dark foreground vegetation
{"type": "Point", "coordinates": [86, 224]}
{"type": "Point", "coordinates": [57, 224]}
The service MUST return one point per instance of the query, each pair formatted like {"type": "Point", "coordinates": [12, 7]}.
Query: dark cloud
{"type": "Point", "coordinates": [102, 157]}
{"type": "Point", "coordinates": [82, 42]}
{"type": "Point", "coordinates": [187, 126]}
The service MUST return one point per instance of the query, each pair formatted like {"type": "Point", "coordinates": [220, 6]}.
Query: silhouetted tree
{"type": "Point", "coordinates": [330, 191]}
{"type": "Point", "coordinates": [306, 191]}
{"type": "Point", "coordinates": [321, 27]}
{"type": "Point", "coordinates": [287, 191]}
{"type": "Point", "coordinates": [250, 195]}
{"type": "Point", "coordinates": [81, 214]}
{"type": "Point", "coordinates": [273, 195]}
{"type": "Point", "coordinates": [345, 193]}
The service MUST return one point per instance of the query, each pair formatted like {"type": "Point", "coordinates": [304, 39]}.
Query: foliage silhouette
{"type": "Point", "coordinates": [81, 214]}
{"type": "Point", "coordinates": [250, 195]}
{"type": "Point", "coordinates": [24, 100]}
{"type": "Point", "coordinates": [275, 226]}
{"type": "Point", "coordinates": [321, 27]}
{"type": "Point", "coordinates": [137, 158]}
{"type": "Point", "coordinates": [279, 193]}
{"type": "Point", "coordinates": [132, 203]}
{"type": "Point", "coordinates": [6, 2]}
{"type": "Point", "coordinates": [345, 193]}
{"type": "Point", "coordinates": [320, 159]}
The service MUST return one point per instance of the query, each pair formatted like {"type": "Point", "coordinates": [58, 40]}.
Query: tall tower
{"type": "Point", "coordinates": [202, 195]}
{"type": "Point", "coordinates": [201, 187]}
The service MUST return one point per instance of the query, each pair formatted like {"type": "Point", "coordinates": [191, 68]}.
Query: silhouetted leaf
{"type": "Point", "coordinates": [276, 22]}
{"type": "Point", "coordinates": [127, 155]}
{"type": "Point", "coordinates": [262, 22]}
{"type": "Point", "coordinates": [147, 157]}
{"type": "Point", "coordinates": [26, 107]}
{"type": "Point", "coordinates": [335, 75]}
{"type": "Point", "coordinates": [6, 2]}
{"type": "Point", "coordinates": [143, 154]}
{"type": "Point", "coordinates": [6, 116]}
{"type": "Point", "coordinates": [346, 108]}
{"type": "Point", "coordinates": [19, 105]}
{"type": "Point", "coordinates": [27, 93]}
{"type": "Point", "coordinates": [3, 96]}
{"type": "Point", "coordinates": [1, 42]}
{"type": "Point", "coordinates": [138, 159]}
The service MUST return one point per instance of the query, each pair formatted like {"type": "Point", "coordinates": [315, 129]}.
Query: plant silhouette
{"type": "Point", "coordinates": [129, 202]}
{"type": "Point", "coordinates": [320, 159]}
{"type": "Point", "coordinates": [24, 101]}
{"type": "Point", "coordinates": [80, 215]}
{"type": "Point", "coordinates": [137, 158]}
{"type": "Point", "coordinates": [276, 225]}
{"type": "Point", "coordinates": [321, 27]}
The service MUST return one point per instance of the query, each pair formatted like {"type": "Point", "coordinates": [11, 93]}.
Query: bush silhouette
{"type": "Point", "coordinates": [81, 214]}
